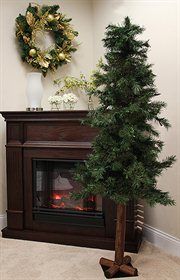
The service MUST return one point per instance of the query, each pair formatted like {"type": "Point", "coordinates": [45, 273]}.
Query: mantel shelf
{"type": "Point", "coordinates": [44, 115]}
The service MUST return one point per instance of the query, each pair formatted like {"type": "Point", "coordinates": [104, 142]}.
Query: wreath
{"type": "Point", "coordinates": [39, 19]}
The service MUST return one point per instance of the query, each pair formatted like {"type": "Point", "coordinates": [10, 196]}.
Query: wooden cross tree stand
{"type": "Point", "coordinates": [122, 263]}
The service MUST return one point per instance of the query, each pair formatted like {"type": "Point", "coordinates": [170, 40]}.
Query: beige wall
{"type": "Point", "coordinates": [161, 20]}
{"type": "Point", "coordinates": [90, 18]}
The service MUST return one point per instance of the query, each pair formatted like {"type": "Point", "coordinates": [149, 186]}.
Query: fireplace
{"type": "Point", "coordinates": [42, 150]}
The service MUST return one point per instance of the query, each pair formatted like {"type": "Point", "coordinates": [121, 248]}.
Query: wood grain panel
{"type": "Point", "coordinates": [14, 187]}
{"type": "Point", "coordinates": [69, 131]}
{"type": "Point", "coordinates": [15, 219]}
{"type": "Point", "coordinates": [14, 133]}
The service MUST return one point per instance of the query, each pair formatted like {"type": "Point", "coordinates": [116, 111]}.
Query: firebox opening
{"type": "Point", "coordinates": [53, 181]}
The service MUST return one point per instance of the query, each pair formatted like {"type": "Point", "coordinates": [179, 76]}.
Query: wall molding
{"type": "Point", "coordinates": [3, 221]}
{"type": "Point", "coordinates": [164, 241]}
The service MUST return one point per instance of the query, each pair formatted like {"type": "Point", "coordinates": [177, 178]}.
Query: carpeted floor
{"type": "Point", "coordinates": [26, 260]}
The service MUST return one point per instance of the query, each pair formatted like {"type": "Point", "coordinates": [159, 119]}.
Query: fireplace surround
{"type": "Point", "coordinates": [42, 150]}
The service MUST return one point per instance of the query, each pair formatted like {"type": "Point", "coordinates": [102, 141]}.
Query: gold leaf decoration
{"type": "Point", "coordinates": [42, 61]}
{"type": "Point", "coordinates": [26, 39]}
{"type": "Point", "coordinates": [60, 26]}
{"type": "Point", "coordinates": [30, 18]}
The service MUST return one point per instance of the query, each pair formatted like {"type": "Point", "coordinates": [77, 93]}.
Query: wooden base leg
{"type": "Point", "coordinates": [128, 270]}
{"type": "Point", "coordinates": [114, 268]}
{"type": "Point", "coordinates": [109, 263]}
{"type": "Point", "coordinates": [112, 271]}
{"type": "Point", "coordinates": [106, 262]}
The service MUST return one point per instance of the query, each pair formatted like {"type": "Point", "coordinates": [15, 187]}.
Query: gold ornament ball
{"type": "Point", "coordinates": [50, 17]}
{"type": "Point", "coordinates": [70, 36]}
{"type": "Point", "coordinates": [32, 52]}
{"type": "Point", "coordinates": [61, 56]}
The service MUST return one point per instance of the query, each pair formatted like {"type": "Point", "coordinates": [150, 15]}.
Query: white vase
{"type": "Point", "coordinates": [34, 91]}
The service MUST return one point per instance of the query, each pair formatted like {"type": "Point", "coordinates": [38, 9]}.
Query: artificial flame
{"type": "Point", "coordinates": [59, 202]}
{"type": "Point", "coordinates": [57, 196]}
{"type": "Point", "coordinates": [79, 208]}
{"type": "Point", "coordinates": [60, 196]}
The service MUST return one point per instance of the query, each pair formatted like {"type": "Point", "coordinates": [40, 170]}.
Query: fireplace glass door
{"type": "Point", "coordinates": [53, 183]}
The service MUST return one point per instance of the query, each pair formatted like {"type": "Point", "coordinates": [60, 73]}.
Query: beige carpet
{"type": "Point", "coordinates": [26, 260]}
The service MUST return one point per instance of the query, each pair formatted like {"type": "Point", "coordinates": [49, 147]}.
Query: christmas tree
{"type": "Point", "coordinates": [124, 163]}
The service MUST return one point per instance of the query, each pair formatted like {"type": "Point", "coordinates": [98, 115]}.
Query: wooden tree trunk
{"type": "Point", "coordinates": [120, 233]}
{"type": "Point", "coordinates": [121, 263]}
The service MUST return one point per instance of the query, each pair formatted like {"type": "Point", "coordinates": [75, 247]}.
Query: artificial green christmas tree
{"type": "Point", "coordinates": [125, 163]}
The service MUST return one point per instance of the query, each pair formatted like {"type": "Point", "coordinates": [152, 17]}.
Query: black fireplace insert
{"type": "Point", "coordinates": [53, 184]}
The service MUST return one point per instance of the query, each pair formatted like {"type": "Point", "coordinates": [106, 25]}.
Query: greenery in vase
{"type": "Point", "coordinates": [125, 163]}
{"type": "Point", "coordinates": [73, 83]}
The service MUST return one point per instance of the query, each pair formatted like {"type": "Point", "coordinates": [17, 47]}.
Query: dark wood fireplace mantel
{"type": "Point", "coordinates": [57, 135]}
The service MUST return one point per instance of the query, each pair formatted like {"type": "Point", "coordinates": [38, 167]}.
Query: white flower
{"type": "Point", "coordinates": [70, 98]}
{"type": "Point", "coordinates": [55, 99]}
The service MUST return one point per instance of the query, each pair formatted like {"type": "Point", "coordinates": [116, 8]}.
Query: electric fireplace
{"type": "Point", "coordinates": [42, 151]}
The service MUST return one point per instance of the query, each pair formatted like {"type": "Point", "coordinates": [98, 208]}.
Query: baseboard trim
{"type": "Point", "coordinates": [166, 242]}
{"type": "Point", "coordinates": [3, 221]}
